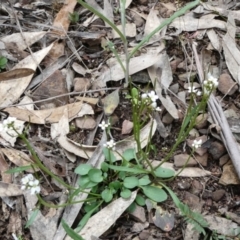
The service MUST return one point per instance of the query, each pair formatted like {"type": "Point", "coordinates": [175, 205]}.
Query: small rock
{"type": "Point", "coordinates": [223, 160]}
{"type": "Point", "coordinates": [174, 88]}
{"type": "Point", "coordinates": [127, 127]}
{"type": "Point", "coordinates": [217, 150]}
{"type": "Point", "coordinates": [203, 160]}
{"type": "Point", "coordinates": [206, 194]}
{"type": "Point", "coordinates": [196, 187]}
{"type": "Point", "coordinates": [192, 201]}
{"type": "Point", "coordinates": [167, 118]}
{"type": "Point", "coordinates": [180, 160]}
{"type": "Point", "coordinates": [218, 194]}
{"type": "Point", "coordinates": [184, 185]}
{"type": "Point", "coordinates": [81, 84]}
{"type": "Point", "coordinates": [226, 84]}
{"type": "Point", "coordinates": [194, 133]}
{"type": "Point", "coordinates": [144, 235]}
{"type": "Point", "coordinates": [229, 175]}
{"type": "Point", "coordinates": [139, 214]}
{"type": "Point", "coordinates": [209, 202]}
{"type": "Point", "coordinates": [85, 122]}
{"type": "Point", "coordinates": [201, 120]}
{"type": "Point", "coordinates": [138, 227]}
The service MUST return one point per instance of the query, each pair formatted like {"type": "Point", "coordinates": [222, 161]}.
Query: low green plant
{"type": "Point", "coordinates": [74, 17]}
{"type": "Point", "coordinates": [134, 172]}
{"type": "Point", "coordinates": [3, 63]}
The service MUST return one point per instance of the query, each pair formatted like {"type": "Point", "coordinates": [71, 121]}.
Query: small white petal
{"type": "Point", "coordinates": [144, 96]}
{"type": "Point", "coordinates": [154, 104]}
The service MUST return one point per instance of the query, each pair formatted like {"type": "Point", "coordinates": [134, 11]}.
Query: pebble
{"type": "Point", "coordinates": [139, 214]}
{"type": "Point", "coordinates": [180, 160]}
{"type": "Point", "coordinates": [218, 194]}
{"type": "Point", "coordinates": [217, 150]}
{"type": "Point", "coordinates": [196, 187]}
{"type": "Point", "coordinates": [85, 122]}
{"type": "Point", "coordinates": [226, 83]}
{"type": "Point", "coordinates": [184, 185]}
{"type": "Point", "coordinates": [201, 121]}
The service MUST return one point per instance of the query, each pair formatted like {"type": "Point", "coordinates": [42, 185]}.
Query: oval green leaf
{"type": "Point", "coordinates": [140, 200]}
{"type": "Point", "coordinates": [125, 193]}
{"type": "Point", "coordinates": [95, 175]}
{"type": "Point", "coordinates": [164, 172]}
{"type": "Point", "coordinates": [130, 182]}
{"type": "Point", "coordinates": [129, 154]}
{"type": "Point", "coordinates": [144, 181]}
{"type": "Point", "coordinates": [83, 169]}
{"type": "Point", "coordinates": [107, 195]}
{"type": "Point", "coordinates": [154, 193]}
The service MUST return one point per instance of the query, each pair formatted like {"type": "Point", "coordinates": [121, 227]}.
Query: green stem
{"type": "Point", "coordinates": [39, 163]}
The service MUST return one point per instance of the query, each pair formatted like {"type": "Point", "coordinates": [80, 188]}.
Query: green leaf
{"type": "Point", "coordinates": [104, 167]}
{"type": "Point", "coordinates": [32, 217]}
{"type": "Point", "coordinates": [19, 169]}
{"type": "Point", "coordinates": [155, 193]}
{"type": "Point", "coordinates": [132, 207]}
{"type": "Point", "coordinates": [130, 182]}
{"type": "Point", "coordinates": [109, 155]}
{"type": "Point", "coordinates": [89, 206]}
{"type": "Point", "coordinates": [95, 175]}
{"type": "Point", "coordinates": [70, 232]}
{"type": "Point", "coordinates": [3, 62]}
{"type": "Point", "coordinates": [164, 172]}
{"type": "Point", "coordinates": [127, 169]}
{"type": "Point", "coordinates": [115, 185]}
{"type": "Point", "coordinates": [83, 169]}
{"type": "Point", "coordinates": [122, 175]}
{"type": "Point", "coordinates": [140, 200]}
{"type": "Point", "coordinates": [125, 193]}
{"type": "Point", "coordinates": [85, 182]}
{"type": "Point", "coordinates": [129, 154]}
{"type": "Point", "coordinates": [107, 195]}
{"type": "Point", "coordinates": [135, 93]}
{"type": "Point", "coordinates": [144, 181]}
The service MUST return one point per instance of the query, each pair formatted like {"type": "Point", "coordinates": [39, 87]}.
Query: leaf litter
{"type": "Point", "coordinates": [46, 58]}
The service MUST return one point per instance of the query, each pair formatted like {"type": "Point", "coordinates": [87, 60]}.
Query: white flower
{"type": "Point", "coordinates": [35, 190]}
{"type": "Point", "coordinates": [154, 105]}
{"type": "Point", "coordinates": [212, 79]}
{"type": "Point", "coordinates": [153, 96]}
{"type": "Point", "coordinates": [110, 144]}
{"type": "Point", "coordinates": [197, 143]}
{"type": "Point", "coordinates": [199, 93]}
{"type": "Point", "coordinates": [158, 109]}
{"type": "Point", "coordinates": [192, 89]}
{"type": "Point", "coordinates": [29, 182]}
{"type": "Point", "coordinates": [104, 125]}
{"type": "Point", "coordinates": [144, 96]}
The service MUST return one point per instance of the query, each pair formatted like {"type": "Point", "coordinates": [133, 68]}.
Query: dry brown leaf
{"type": "Point", "coordinates": [10, 91]}
{"type": "Point", "coordinates": [19, 158]}
{"type": "Point", "coordinates": [7, 178]}
{"type": "Point", "coordinates": [9, 190]}
{"type": "Point", "coordinates": [16, 74]}
{"type": "Point", "coordinates": [89, 100]}
{"type": "Point", "coordinates": [23, 40]}
{"type": "Point", "coordinates": [110, 102]}
{"type": "Point", "coordinates": [50, 115]}
{"type": "Point", "coordinates": [115, 72]}
{"type": "Point", "coordinates": [62, 19]}
{"type": "Point", "coordinates": [113, 211]}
